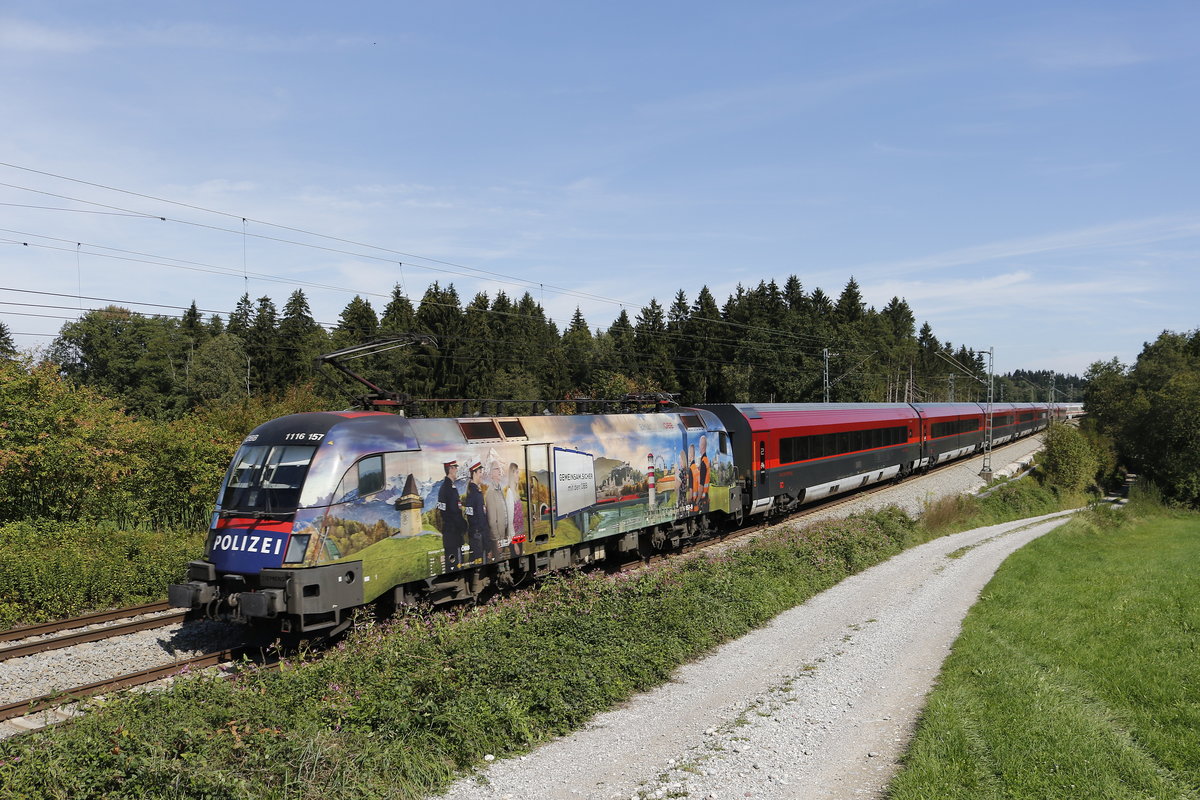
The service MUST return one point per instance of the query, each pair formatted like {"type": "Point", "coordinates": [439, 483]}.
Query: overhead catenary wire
{"type": "Point", "coordinates": [523, 282]}
{"type": "Point", "coordinates": [503, 277]}
{"type": "Point", "coordinates": [195, 266]}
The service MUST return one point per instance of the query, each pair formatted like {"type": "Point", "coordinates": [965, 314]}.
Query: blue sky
{"type": "Point", "coordinates": [1024, 174]}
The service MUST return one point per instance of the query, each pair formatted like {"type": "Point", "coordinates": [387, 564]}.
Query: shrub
{"type": "Point", "coordinates": [50, 569]}
{"type": "Point", "coordinates": [1069, 460]}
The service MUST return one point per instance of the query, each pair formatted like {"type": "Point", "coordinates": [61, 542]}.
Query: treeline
{"type": "Point", "coordinates": [764, 343]}
{"type": "Point", "coordinates": [69, 453]}
{"type": "Point", "coordinates": [1151, 411]}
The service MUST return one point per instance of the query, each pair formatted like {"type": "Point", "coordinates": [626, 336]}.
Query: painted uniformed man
{"type": "Point", "coordinates": [454, 527]}
{"type": "Point", "coordinates": [477, 524]}
{"type": "Point", "coordinates": [705, 474]}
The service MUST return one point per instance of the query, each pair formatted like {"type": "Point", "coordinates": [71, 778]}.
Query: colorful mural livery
{"type": "Point", "coordinates": [467, 492]}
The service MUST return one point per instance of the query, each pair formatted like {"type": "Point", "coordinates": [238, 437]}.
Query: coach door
{"type": "Point", "coordinates": [539, 495]}
{"type": "Point", "coordinates": [762, 462]}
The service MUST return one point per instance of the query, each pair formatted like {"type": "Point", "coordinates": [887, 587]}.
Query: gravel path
{"type": "Point", "coordinates": [818, 704]}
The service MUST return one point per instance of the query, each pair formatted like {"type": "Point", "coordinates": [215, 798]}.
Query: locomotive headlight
{"type": "Point", "coordinates": [297, 545]}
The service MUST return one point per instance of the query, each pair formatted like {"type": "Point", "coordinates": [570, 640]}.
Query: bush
{"type": "Point", "coordinates": [68, 453]}
{"type": "Point", "coordinates": [1069, 460]}
{"type": "Point", "coordinates": [50, 570]}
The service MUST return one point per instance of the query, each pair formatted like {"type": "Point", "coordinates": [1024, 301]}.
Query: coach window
{"type": "Point", "coordinates": [724, 442]}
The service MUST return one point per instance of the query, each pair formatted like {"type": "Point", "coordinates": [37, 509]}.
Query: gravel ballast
{"type": "Point", "coordinates": [819, 703]}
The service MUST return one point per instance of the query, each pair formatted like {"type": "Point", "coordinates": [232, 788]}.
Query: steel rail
{"type": "Point", "coordinates": [93, 635]}
{"type": "Point", "coordinates": [43, 628]}
{"type": "Point", "coordinates": [129, 680]}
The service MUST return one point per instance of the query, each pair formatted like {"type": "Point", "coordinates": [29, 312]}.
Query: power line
{"type": "Point", "coordinates": [523, 282]}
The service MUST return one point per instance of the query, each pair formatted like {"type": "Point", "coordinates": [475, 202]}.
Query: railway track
{"type": "Point", "coordinates": [43, 628]}
{"type": "Point", "coordinates": [79, 630]}
{"type": "Point", "coordinates": [51, 709]}
{"type": "Point", "coordinates": [31, 713]}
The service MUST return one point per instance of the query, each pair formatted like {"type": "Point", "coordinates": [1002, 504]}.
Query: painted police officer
{"type": "Point", "coordinates": [454, 527]}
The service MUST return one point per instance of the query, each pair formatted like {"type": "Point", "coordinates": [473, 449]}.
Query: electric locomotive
{"type": "Point", "coordinates": [320, 513]}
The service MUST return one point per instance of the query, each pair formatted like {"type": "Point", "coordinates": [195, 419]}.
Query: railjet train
{"type": "Point", "coordinates": [321, 513]}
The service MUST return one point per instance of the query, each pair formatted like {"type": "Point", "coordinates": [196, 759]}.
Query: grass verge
{"type": "Point", "coordinates": [50, 570]}
{"type": "Point", "coordinates": [1074, 673]}
{"type": "Point", "coordinates": [1013, 499]}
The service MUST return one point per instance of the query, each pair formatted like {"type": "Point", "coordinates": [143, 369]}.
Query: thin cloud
{"type": "Point", "coordinates": [1119, 234]}
{"type": "Point", "coordinates": [1083, 54]}
{"type": "Point", "coordinates": [31, 37]}
{"type": "Point", "coordinates": [1002, 294]}
{"type": "Point", "coordinates": [766, 100]}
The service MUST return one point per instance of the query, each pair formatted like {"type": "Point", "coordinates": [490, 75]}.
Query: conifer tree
{"type": "Point", "coordinates": [654, 357]}
{"type": "Point", "coordinates": [439, 316]}
{"type": "Point", "coordinates": [241, 317]}
{"type": "Point", "coordinates": [624, 341]}
{"type": "Point", "coordinates": [263, 347]}
{"type": "Point", "coordinates": [578, 350]}
{"type": "Point", "coordinates": [850, 306]}
{"type": "Point", "coordinates": [357, 324]}
{"type": "Point", "coordinates": [698, 362]}
{"type": "Point", "coordinates": [478, 354]}
{"type": "Point", "coordinates": [301, 340]}
{"type": "Point", "coordinates": [8, 347]}
{"type": "Point", "coordinates": [397, 366]}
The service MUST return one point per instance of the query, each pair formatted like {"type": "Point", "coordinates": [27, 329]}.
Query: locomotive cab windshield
{"type": "Point", "coordinates": [265, 480]}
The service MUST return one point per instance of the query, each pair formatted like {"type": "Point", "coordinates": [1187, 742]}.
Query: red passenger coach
{"type": "Point", "coordinates": [948, 431]}
{"type": "Point", "coordinates": [789, 454]}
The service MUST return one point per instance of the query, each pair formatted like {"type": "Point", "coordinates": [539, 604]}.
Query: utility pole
{"type": "Point", "coordinates": [986, 472]}
{"type": "Point", "coordinates": [950, 391]}
{"type": "Point", "coordinates": [825, 355]}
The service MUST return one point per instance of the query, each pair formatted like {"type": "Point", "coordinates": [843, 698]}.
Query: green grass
{"type": "Point", "coordinates": [53, 569]}
{"type": "Point", "coordinates": [1008, 500]}
{"type": "Point", "coordinates": [1075, 674]}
